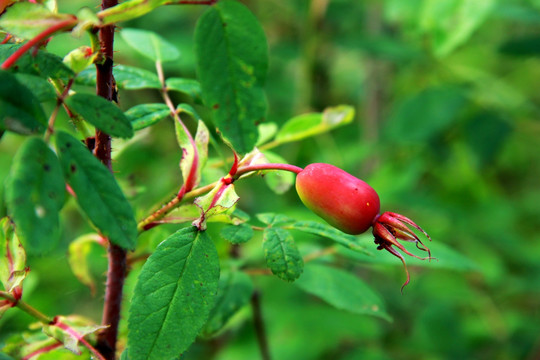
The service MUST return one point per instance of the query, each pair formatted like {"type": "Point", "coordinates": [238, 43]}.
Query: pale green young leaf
{"type": "Point", "coordinates": [78, 256]}
{"type": "Point", "coordinates": [128, 10]}
{"type": "Point", "coordinates": [281, 254]}
{"type": "Point", "coordinates": [307, 125]}
{"type": "Point", "coordinates": [80, 58]}
{"type": "Point", "coordinates": [26, 20]}
{"type": "Point", "coordinates": [126, 77]}
{"type": "Point", "coordinates": [187, 86]}
{"type": "Point", "coordinates": [190, 157]}
{"type": "Point", "coordinates": [13, 267]}
{"type": "Point", "coordinates": [174, 295]}
{"type": "Point", "coordinates": [150, 45]}
{"type": "Point", "coordinates": [97, 191]}
{"type": "Point", "coordinates": [235, 290]}
{"type": "Point", "coordinates": [232, 61]}
{"type": "Point", "coordinates": [237, 234]}
{"type": "Point", "coordinates": [101, 113]}
{"type": "Point", "coordinates": [35, 192]}
{"type": "Point", "coordinates": [266, 132]}
{"type": "Point", "coordinates": [341, 290]}
{"type": "Point", "coordinates": [145, 115]}
{"type": "Point", "coordinates": [21, 111]}
{"type": "Point", "coordinates": [329, 232]}
{"type": "Point", "coordinates": [278, 181]}
{"type": "Point", "coordinates": [220, 200]}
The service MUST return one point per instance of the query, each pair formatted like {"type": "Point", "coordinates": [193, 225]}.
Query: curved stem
{"type": "Point", "coordinates": [42, 318]}
{"type": "Point", "coordinates": [62, 25]}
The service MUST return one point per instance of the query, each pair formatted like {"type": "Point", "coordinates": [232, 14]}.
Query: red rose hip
{"type": "Point", "coordinates": [341, 199]}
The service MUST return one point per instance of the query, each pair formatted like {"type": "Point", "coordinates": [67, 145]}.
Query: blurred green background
{"type": "Point", "coordinates": [447, 131]}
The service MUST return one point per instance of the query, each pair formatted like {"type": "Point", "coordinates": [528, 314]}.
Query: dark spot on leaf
{"type": "Point", "coordinates": [73, 168]}
{"type": "Point", "coordinates": [52, 195]}
{"type": "Point", "coordinates": [215, 106]}
{"type": "Point", "coordinates": [46, 167]}
{"type": "Point", "coordinates": [68, 145]}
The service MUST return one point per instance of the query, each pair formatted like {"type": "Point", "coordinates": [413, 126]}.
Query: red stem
{"type": "Point", "coordinates": [62, 25]}
{"type": "Point", "coordinates": [258, 167]}
{"type": "Point", "coordinates": [68, 329]}
{"type": "Point", "coordinates": [42, 350]}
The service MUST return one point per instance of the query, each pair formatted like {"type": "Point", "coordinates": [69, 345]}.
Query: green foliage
{"type": "Point", "coordinates": [232, 61]}
{"type": "Point", "coordinates": [177, 285]}
{"type": "Point", "coordinates": [150, 45]}
{"type": "Point", "coordinates": [35, 194]}
{"type": "Point", "coordinates": [145, 115]}
{"type": "Point", "coordinates": [97, 192]}
{"type": "Point", "coordinates": [282, 255]}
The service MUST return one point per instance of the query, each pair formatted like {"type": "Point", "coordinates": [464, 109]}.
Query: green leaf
{"type": "Point", "coordinates": [145, 115]}
{"type": "Point", "coordinates": [20, 110]}
{"type": "Point", "coordinates": [97, 191]}
{"type": "Point", "coordinates": [126, 77]}
{"type": "Point", "coordinates": [232, 61]}
{"type": "Point", "coordinates": [445, 258]}
{"type": "Point", "coordinates": [452, 22]}
{"type": "Point", "coordinates": [235, 290]}
{"type": "Point", "coordinates": [78, 256]}
{"type": "Point", "coordinates": [237, 234]}
{"type": "Point", "coordinates": [273, 219]}
{"type": "Point", "coordinates": [26, 20]}
{"type": "Point", "coordinates": [174, 295]}
{"type": "Point", "coordinates": [150, 45]}
{"type": "Point", "coordinates": [425, 115]}
{"type": "Point", "coordinates": [191, 159]}
{"type": "Point", "coordinates": [278, 181]}
{"type": "Point", "coordinates": [43, 64]}
{"type": "Point", "coordinates": [41, 88]}
{"type": "Point", "coordinates": [13, 268]}
{"type": "Point", "coordinates": [522, 46]}
{"type": "Point", "coordinates": [35, 194]}
{"type": "Point", "coordinates": [101, 113]}
{"type": "Point", "coordinates": [282, 255]}
{"type": "Point", "coordinates": [341, 290]}
{"type": "Point", "coordinates": [307, 125]}
{"type": "Point", "coordinates": [329, 232]}
{"type": "Point", "coordinates": [266, 132]}
{"type": "Point", "coordinates": [187, 86]}
{"type": "Point", "coordinates": [80, 58]}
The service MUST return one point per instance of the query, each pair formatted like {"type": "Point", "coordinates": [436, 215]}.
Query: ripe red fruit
{"type": "Point", "coordinates": [341, 199]}
{"type": "Point", "coordinates": [352, 206]}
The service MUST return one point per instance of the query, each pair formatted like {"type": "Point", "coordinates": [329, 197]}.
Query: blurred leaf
{"type": "Point", "coordinates": [78, 253]}
{"type": "Point", "coordinates": [282, 255]}
{"type": "Point", "coordinates": [128, 10]}
{"type": "Point", "coordinates": [425, 115]}
{"type": "Point", "coordinates": [445, 258]}
{"type": "Point", "coordinates": [278, 181]}
{"type": "Point", "coordinates": [80, 58]}
{"type": "Point", "coordinates": [26, 20]}
{"type": "Point", "coordinates": [189, 110]}
{"type": "Point", "coordinates": [187, 86]}
{"type": "Point", "coordinates": [385, 47]}
{"type": "Point", "coordinates": [235, 289]}
{"type": "Point", "coordinates": [145, 115]}
{"type": "Point", "coordinates": [307, 125]}
{"type": "Point", "coordinates": [150, 45]}
{"type": "Point", "coordinates": [101, 113]}
{"type": "Point", "coordinates": [232, 61]}
{"type": "Point", "coordinates": [452, 22]}
{"type": "Point", "coordinates": [342, 290]}
{"type": "Point", "coordinates": [41, 88]}
{"type": "Point", "coordinates": [13, 268]}
{"type": "Point", "coordinates": [35, 194]}
{"type": "Point", "coordinates": [522, 46]}
{"type": "Point", "coordinates": [237, 234]}
{"type": "Point", "coordinates": [523, 13]}
{"type": "Point", "coordinates": [486, 134]}
{"type": "Point", "coordinates": [273, 219]}
{"type": "Point", "coordinates": [97, 191]}
{"type": "Point", "coordinates": [266, 132]}
{"type": "Point", "coordinates": [20, 110]}
{"type": "Point", "coordinates": [174, 295]}
{"type": "Point", "coordinates": [126, 77]}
